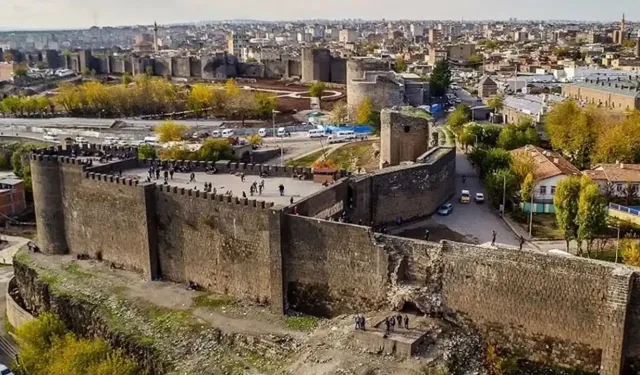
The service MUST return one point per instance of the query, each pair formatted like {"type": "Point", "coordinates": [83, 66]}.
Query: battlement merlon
{"type": "Point", "coordinates": [219, 198]}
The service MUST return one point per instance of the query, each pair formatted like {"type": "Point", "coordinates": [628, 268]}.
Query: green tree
{"type": "Point", "coordinates": [475, 59]}
{"type": "Point", "coordinates": [170, 131]}
{"type": "Point", "coordinates": [499, 182]}
{"type": "Point", "coordinates": [592, 213]}
{"type": "Point", "coordinates": [566, 200]}
{"type": "Point", "coordinates": [200, 98]}
{"type": "Point", "coordinates": [522, 164]}
{"type": "Point", "coordinates": [460, 116]}
{"type": "Point", "coordinates": [466, 138]}
{"type": "Point", "coordinates": [265, 104]}
{"type": "Point", "coordinates": [517, 135]}
{"type": "Point", "coordinates": [317, 89]}
{"type": "Point", "coordinates": [573, 130]}
{"type": "Point", "coordinates": [440, 78]}
{"type": "Point", "coordinates": [364, 111]}
{"type": "Point", "coordinates": [490, 135]}
{"type": "Point", "coordinates": [401, 64]}
{"type": "Point", "coordinates": [496, 159]}
{"type": "Point", "coordinates": [146, 152]}
{"type": "Point", "coordinates": [214, 149]}
{"type": "Point", "coordinates": [496, 103]}
{"type": "Point", "coordinates": [526, 188]}
{"type": "Point", "coordinates": [619, 141]}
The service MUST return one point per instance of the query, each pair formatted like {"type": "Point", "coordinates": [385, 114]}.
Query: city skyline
{"type": "Point", "coordinates": [59, 14]}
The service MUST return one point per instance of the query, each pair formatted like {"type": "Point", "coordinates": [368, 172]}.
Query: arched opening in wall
{"type": "Point", "coordinates": [410, 308]}
{"type": "Point", "coordinates": [407, 128]}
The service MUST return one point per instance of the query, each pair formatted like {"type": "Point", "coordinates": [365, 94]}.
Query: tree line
{"type": "Point", "coordinates": [144, 95]}
{"type": "Point", "coordinates": [589, 135]}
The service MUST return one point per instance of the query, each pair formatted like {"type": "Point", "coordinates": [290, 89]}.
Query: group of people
{"type": "Point", "coordinates": [256, 188]}
{"type": "Point", "coordinates": [208, 188]}
{"type": "Point", "coordinates": [390, 323]}
{"type": "Point", "coordinates": [360, 322]}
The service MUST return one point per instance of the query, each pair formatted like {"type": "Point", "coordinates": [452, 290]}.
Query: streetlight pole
{"type": "Point", "coordinates": [531, 214]}
{"type": "Point", "coordinates": [504, 194]}
{"type": "Point", "coordinates": [274, 113]}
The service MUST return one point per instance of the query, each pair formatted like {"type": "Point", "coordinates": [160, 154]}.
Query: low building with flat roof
{"type": "Point", "coordinates": [617, 94]}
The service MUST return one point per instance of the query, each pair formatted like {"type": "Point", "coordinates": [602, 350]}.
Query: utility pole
{"type": "Point", "coordinates": [504, 194]}
{"type": "Point", "coordinates": [274, 113]}
{"type": "Point", "coordinates": [531, 214]}
{"type": "Point", "coordinates": [617, 241]}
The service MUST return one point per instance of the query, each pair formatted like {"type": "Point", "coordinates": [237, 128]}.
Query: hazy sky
{"type": "Point", "coordinates": [44, 14]}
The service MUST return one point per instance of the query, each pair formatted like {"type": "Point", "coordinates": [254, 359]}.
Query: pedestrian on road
{"type": "Point", "coordinates": [406, 322]}
{"type": "Point", "coordinates": [426, 234]}
{"type": "Point", "coordinates": [281, 188]}
{"type": "Point", "coordinates": [192, 177]}
{"type": "Point", "coordinates": [493, 238]}
{"type": "Point", "coordinates": [521, 241]}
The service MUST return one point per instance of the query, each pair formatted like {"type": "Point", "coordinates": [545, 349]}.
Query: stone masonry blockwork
{"type": "Point", "coordinates": [567, 312]}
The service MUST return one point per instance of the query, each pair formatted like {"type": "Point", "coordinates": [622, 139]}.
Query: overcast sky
{"type": "Point", "coordinates": [44, 14]}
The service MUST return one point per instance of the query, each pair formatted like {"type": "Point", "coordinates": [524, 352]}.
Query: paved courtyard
{"type": "Point", "coordinates": [225, 182]}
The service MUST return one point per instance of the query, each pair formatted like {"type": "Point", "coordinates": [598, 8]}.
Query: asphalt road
{"type": "Point", "coordinates": [475, 221]}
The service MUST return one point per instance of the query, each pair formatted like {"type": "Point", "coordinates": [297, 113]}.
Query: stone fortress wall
{"type": "Point", "coordinates": [556, 310]}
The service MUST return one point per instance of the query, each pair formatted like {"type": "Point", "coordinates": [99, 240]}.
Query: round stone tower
{"type": "Point", "coordinates": [47, 198]}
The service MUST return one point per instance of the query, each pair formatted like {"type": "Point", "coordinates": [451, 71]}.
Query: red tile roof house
{"type": "Point", "coordinates": [550, 168]}
{"type": "Point", "coordinates": [616, 177]}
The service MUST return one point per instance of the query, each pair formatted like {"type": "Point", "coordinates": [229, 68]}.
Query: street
{"type": "Point", "coordinates": [474, 221]}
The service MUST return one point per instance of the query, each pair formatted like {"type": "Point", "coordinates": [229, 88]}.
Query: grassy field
{"type": "Point", "coordinates": [356, 155]}
{"type": "Point", "coordinates": [305, 161]}
{"type": "Point", "coordinates": [544, 225]}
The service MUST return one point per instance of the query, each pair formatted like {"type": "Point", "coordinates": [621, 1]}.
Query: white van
{"type": "Point", "coordinates": [316, 133]}
{"type": "Point", "coordinates": [342, 136]}
{"type": "Point", "coordinates": [226, 133]}
{"type": "Point", "coordinates": [81, 140]}
{"type": "Point", "coordinates": [215, 134]}
{"type": "Point", "coordinates": [282, 132]}
{"type": "Point", "coordinates": [150, 140]}
{"type": "Point", "coordinates": [262, 132]}
{"type": "Point", "coordinates": [110, 141]}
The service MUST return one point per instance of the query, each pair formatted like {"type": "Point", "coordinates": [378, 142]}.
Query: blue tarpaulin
{"type": "Point", "coordinates": [360, 129]}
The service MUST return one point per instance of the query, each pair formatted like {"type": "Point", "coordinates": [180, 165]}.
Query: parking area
{"type": "Point", "coordinates": [473, 221]}
{"type": "Point", "coordinates": [293, 188]}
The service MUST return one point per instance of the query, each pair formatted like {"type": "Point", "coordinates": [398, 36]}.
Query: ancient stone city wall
{"type": "Point", "coordinates": [561, 311]}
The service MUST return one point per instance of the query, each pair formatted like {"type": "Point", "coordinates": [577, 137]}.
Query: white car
{"type": "Point", "coordinates": [4, 370]}
{"type": "Point", "coordinates": [50, 137]}
{"type": "Point", "coordinates": [479, 198]}
{"type": "Point", "coordinates": [81, 140]}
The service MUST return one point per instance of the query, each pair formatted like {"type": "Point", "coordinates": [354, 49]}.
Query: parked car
{"type": "Point", "coordinates": [445, 209]}
{"type": "Point", "coordinates": [4, 370]}
{"type": "Point", "coordinates": [479, 198]}
{"type": "Point", "coordinates": [465, 197]}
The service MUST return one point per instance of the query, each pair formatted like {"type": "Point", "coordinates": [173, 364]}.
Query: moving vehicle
{"type": "Point", "coordinates": [316, 133]}
{"type": "Point", "coordinates": [50, 137]}
{"type": "Point", "coordinates": [262, 132]}
{"type": "Point", "coordinates": [226, 133]}
{"type": "Point", "coordinates": [215, 133]}
{"type": "Point", "coordinates": [342, 136]}
{"type": "Point", "coordinates": [479, 198]}
{"type": "Point", "coordinates": [465, 197]}
{"type": "Point", "coordinates": [151, 140]}
{"type": "Point", "coordinates": [81, 140]}
{"type": "Point", "coordinates": [110, 141]}
{"type": "Point", "coordinates": [282, 132]}
{"type": "Point", "coordinates": [445, 209]}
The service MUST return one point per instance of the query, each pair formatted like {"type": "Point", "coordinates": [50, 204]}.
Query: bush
{"type": "Point", "coordinates": [47, 347]}
{"type": "Point", "coordinates": [146, 152]}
